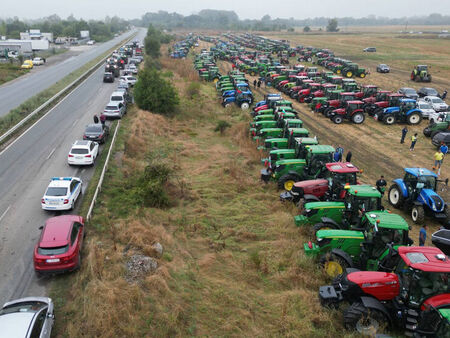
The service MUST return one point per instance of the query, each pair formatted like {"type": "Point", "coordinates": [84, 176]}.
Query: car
{"type": "Point", "coordinates": [426, 108]}
{"type": "Point", "coordinates": [438, 117]}
{"type": "Point", "coordinates": [131, 80]}
{"type": "Point", "coordinates": [119, 96]}
{"type": "Point", "coordinates": [27, 64]}
{"type": "Point", "coordinates": [114, 109]}
{"type": "Point", "coordinates": [441, 137]}
{"type": "Point", "coordinates": [27, 317]}
{"type": "Point", "coordinates": [59, 247]}
{"type": "Point", "coordinates": [108, 77]}
{"type": "Point", "coordinates": [135, 61]}
{"type": "Point", "coordinates": [90, 42]}
{"type": "Point", "coordinates": [12, 54]}
{"type": "Point", "coordinates": [370, 49]}
{"type": "Point", "coordinates": [62, 193]}
{"type": "Point", "coordinates": [37, 61]}
{"type": "Point", "coordinates": [437, 103]}
{"type": "Point", "coordinates": [96, 132]}
{"type": "Point", "coordinates": [83, 153]}
{"type": "Point", "coordinates": [427, 91]}
{"type": "Point", "coordinates": [410, 93]}
{"type": "Point", "coordinates": [383, 68]}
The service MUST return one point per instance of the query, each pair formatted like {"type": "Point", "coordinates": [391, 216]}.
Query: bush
{"type": "Point", "coordinates": [151, 186]}
{"type": "Point", "coordinates": [307, 29]}
{"type": "Point", "coordinates": [222, 126]}
{"type": "Point", "coordinates": [153, 93]}
{"type": "Point", "coordinates": [193, 89]}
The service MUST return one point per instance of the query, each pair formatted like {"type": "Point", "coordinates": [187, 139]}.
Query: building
{"type": "Point", "coordinates": [35, 34]}
{"type": "Point", "coordinates": [20, 46]}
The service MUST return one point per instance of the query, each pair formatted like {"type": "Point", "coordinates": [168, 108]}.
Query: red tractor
{"type": "Point", "coordinates": [304, 93]}
{"type": "Point", "coordinates": [320, 92]}
{"type": "Point", "coordinates": [331, 105]}
{"type": "Point", "coordinates": [415, 298]}
{"type": "Point", "coordinates": [302, 82]}
{"type": "Point", "coordinates": [380, 96]}
{"type": "Point", "coordinates": [330, 188]}
{"type": "Point", "coordinates": [352, 111]}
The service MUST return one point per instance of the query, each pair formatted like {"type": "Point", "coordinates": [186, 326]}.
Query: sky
{"type": "Point", "coordinates": [246, 9]}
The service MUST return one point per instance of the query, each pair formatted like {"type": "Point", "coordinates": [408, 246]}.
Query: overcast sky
{"type": "Point", "coordinates": [252, 9]}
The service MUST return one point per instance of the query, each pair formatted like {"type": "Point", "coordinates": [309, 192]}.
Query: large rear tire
{"type": "Point", "coordinates": [358, 118]}
{"type": "Point", "coordinates": [434, 133]}
{"type": "Point", "coordinates": [395, 196]}
{"type": "Point", "coordinates": [414, 118]}
{"type": "Point", "coordinates": [418, 214]}
{"type": "Point", "coordinates": [365, 321]}
{"type": "Point", "coordinates": [427, 132]}
{"type": "Point", "coordinates": [323, 226]}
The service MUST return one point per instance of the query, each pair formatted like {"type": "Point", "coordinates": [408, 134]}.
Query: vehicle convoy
{"type": "Point", "coordinates": [420, 74]}
{"type": "Point", "coordinates": [414, 298]}
{"type": "Point", "coordinates": [407, 111]}
{"type": "Point", "coordinates": [417, 193]}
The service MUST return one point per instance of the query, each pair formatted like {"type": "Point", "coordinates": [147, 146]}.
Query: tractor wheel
{"type": "Point", "coordinates": [362, 75]}
{"type": "Point", "coordinates": [227, 105]}
{"type": "Point", "coordinates": [389, 119]}
{"type": "Point", "coordinates": [337, 119]}
{"type": "Point", "coordinates": [414, 118]}
{"type": "Point", "coordinates": [338, 71]}
{"type": "Point", "coordinates": [245, 105]}
{"type": "Point", "coordinates": [333, 264]}
{"type": "Point", "coordinates": [418, 214]}
{"type": "Point", "coordinates": [309, 59]}
{"type": "Point", "coordinates": [358, 118]}
{"type": "Point", "coordinates": [327, 112]}
{"type": "Point", "coordinates": [349, 73]}
{"type": "Point", "coordinates": [365, 320]}
{"type": "Point", "coordinates": [427, 132]}
{"type": "Point", "coordinates": [286, 182]}
{"type": "Point", "coordinates": [395, 196]}
{"type": "Point", "coordinates": [434, 133]}
{"type": "Point", "coordinates": [323, 226]}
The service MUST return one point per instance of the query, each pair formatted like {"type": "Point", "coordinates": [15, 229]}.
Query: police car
{"type": "Point", "coordinates": [61, 193]}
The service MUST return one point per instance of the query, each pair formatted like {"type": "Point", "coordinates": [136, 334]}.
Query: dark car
{"type": "Point", "coordinates": [382, 68]}
{"type": "Point", "coordinates": [108, 77]}
{"type": "Point", "coordinates": [96, 132]}
{"type": "Point", "coordinates": [410, 93]}
{"type": "Point", "coordinates": [427, 91]}
{"type": "Point", "coordinates": [441, 137]}
{"type": "Point", "coordinates": [370, 49]}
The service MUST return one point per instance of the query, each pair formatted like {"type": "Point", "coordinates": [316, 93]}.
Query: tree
{"type": "Point", "coordinates": [306, 29]}
{"type": "Point", "coordinates": [152, 46]}
{"type": "Point", "coordinates": [332, 25]}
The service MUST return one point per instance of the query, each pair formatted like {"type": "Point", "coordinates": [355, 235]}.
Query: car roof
{"type": "Point", "coordinates": [342, 167]}
{"type": "Point", "coordinates": [425, 258]}
{"type": "Point", "coordinates": [364, 191]}
{"type": "Point", "coordinates": [81, 144]}
{"type": "Point", "coordinates": [432, 97]}
{"type": "Point", "coordinates": [57, 231]}
{"type": "Point", "coordinates": [385, 219]}
{"type": "Point", "coordinates": [117, 93]}
{"type": "Point", "coordinates": [16, 324]}
{"type": "Point", "coordinates": [60, 182]}
{"type": "Point", "coordinates": [420, 172]}
{"type": "Point", "coordinates": [407, 100]}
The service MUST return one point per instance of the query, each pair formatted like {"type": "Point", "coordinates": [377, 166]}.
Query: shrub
{"type": "Point", "coordinates": [222, 126]}
{"type": "Point", "coordinates": [193, 89]}
{"type": "Point", "coordinates": [307, 29]}
{"type": "Point", "coordinates": [151, 186]}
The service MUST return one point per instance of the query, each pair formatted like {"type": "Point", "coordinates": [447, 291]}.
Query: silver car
{"type": "Point", "coordinates": [27, 317]}
{"type": "Point", "coordinates": [114, 109]}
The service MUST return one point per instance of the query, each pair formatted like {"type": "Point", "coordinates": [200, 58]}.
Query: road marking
{"type": "Point", "coordinates": [51, 153]}
{"type": "Point", "coordinates": [4, 213]}
{"type": "Point", "coordinates": [74, 122]}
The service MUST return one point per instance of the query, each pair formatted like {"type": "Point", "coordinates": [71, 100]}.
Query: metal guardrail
{"type": "Point", "coordinates": [102, 175]}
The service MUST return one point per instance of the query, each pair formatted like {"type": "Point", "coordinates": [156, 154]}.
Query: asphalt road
{"type": "Point", "coordinates": [26, 167]}
{"type": "Point", "coordinates": [12, 94]}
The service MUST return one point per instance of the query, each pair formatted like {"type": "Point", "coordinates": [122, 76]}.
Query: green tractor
{"type": "Point", "coordinates": [287, 172]}
{"type": "Point", "coordinates": [285, 144]}
{"type": "Point", "coordinates": [341, 215]}
{"type": "Point", "coordinates": [371, 246]}
{"type": "Point", "coordinates": [434, 128]}
{"type": "Point", "coordinates": [420, 74]}
{"type": "Point", "coordinates": [352, 69]}
{"type": "Point", "coordinates": [297, 150]}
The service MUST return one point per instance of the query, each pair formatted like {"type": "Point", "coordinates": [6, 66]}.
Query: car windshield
{"type": "Point", "coordinates": [79, 151]}
{"type": "Point", "coordinates": [436, 100]}
{"type": "Point", "coordinates": [57, 250]}
{"type": "Point", "coordinates": [116, 98]}
{"type": "Point", "coordinates": [56, 191]}
{"type": "Point", "coordinates": [424, 105]}
{"type": "Point", "coordinates": [31, 307]}
{"type": "Point", "coordinates": [94, 129]}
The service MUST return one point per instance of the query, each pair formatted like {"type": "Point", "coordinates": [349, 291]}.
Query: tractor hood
{"type": "Point", "coordinates": [310, 183]}
{"type": "Point", "coordinates": [337, 233]}
{"type": "Point", "coordinates": [429, 197]}
{"type": "Point", "coordinates": [381, 285]}
{"type": "Point", "coordinates": [438, 301]}
{"type": "Point", "coordinates": [391, 110]}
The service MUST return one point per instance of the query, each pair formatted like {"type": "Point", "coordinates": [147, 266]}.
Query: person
{"type": "Point", "coordinates": [340, 150]}
{"type": "Point", "coordinates": [254, 83]}
{"type": "Point", "coordinates": [438, 156]}
{"type": "Point", "coordinates": [404, 132]}
{"type": "Point", "coordinates": [413, 142]}
{"type": "Point", "coordinates": [103, 118]}
{"type": "Point", "coordinates": [444, 95]}
{"type": "Point", "coordinates": [259, 83]}
{"type": "Point", "coordinates": [336, 156]}
{"type": "Point", "coordinates": [381, 185]}
{"type": "Point", "coordinates": [443, 149]}
{"type": "Point", "coordinates": [348, 158]}
{"type": "Point", "coordinates": [96, 118]}
{"type": "Point", "coordinates": [423, 235]}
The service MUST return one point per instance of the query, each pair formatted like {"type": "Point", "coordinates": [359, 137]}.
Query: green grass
{"type": "Point", "coordinates": [10, 71]}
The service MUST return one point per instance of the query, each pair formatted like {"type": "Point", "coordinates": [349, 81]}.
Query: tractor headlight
{"type": "Point", "coordinates": [319, 239]}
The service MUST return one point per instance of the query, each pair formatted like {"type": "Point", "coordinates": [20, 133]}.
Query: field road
{"type": "Point", "coordinates": [26, 167]}
{"type": "Point", "coordinates": [12, 94]}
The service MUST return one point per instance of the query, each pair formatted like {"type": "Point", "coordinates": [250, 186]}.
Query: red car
{"type": "Point", "coordinates": [59, 246]}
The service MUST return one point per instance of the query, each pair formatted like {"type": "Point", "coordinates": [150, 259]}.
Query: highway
{"type": "Point", "coordinates": [13, 93]}
{"type": "Point", "coordinates": [26, 167]}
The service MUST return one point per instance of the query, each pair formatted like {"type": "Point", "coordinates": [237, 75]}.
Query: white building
{"type": "Point", "coordinates": [35, 34]}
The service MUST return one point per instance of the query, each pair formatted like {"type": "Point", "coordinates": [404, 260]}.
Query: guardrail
{"type": "Point", "coordinates": [58, 95]}
{"type": "Point", "coordinates": [102, 175]}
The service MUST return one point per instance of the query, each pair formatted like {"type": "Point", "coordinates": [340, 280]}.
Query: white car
{"type": "Point", "coordinates": [61, 193]}
{"type": "Point", "coordinates": [131, 80]}
{"type": "Point", "coordinates": [90, 42]}
{"type": "Point", "coordinates": [38, 61]}
{"type": "Point", "coordinates": [438, 117]}
{"type": "Point", "coordinates": [114, 109]}
{"type": "Point", "coordinates": [83, 153]}
{"type": "Point", "coordinates": [426, 108]}
{"type": "Point", "coordinates": [436, 103]}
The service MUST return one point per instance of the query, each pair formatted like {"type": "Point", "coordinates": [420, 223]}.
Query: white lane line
{"type": "Point", "coordinates": [4, 213]}
{"type": "Point", "coordinates": [74, 122]}
{"type": "Point", "coordinates": [51, 153]}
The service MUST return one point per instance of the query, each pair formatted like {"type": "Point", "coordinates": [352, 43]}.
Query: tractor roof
{"type": "Point", "coordinates": [408, 100]}
{"type": "Point", "coordinates": [297, 131]}
{"type": "Point", "coordinates": [347, 93]}
{"type": "Point", "coordinates": [342, 167]}
{"type": "Point", "coordinates": [321, 149]}
{"type": "Point", "coordinates": [370, 86]}
{"type": "Point", "coordinates": [385, 219]}
{"type": "Point", "coordinates": [420, 172]}
{"type": "Point", "coordinates": [364, 191]}
{"type": "Point", "coordinates": [306, 140]}
{"type": "Point", "coordinates": [396, 94]}
{"type": "Point", "coordinates": [425, 258]}
{"type": "Point", "coordinates": [293, 121]}
{"type": "Point", "coordinates": [355, 102]}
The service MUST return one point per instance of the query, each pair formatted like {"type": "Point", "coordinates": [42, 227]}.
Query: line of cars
{"type": "Point", "coordinates": [59, 246]}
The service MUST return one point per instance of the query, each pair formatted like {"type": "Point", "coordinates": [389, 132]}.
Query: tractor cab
{"type": "Point", "coordinates": [244, 99]}
{"type": "Point", "coordinates": [353, 111]}
{"type": "Point", "coordinates": [369, 90]}
{"type": "Point", "coordinates": [350, 87]}
{"type": "Point", "coordinates": [295, 133]}
{"type": "Point", "coordinates": [317, 103]}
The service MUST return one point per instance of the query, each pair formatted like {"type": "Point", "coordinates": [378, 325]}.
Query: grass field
{"type": "Point", "coordinates": [10, 71]}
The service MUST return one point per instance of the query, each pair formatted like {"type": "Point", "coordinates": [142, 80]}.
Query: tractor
{"type": "Point", "coordinates": [405, 112]}
{"type": "Point", "coordinates": [336, 102]}
{"type": "Point", "coordinates": [416, 192]}
{"type": "Point", "coordinates": [279, 142]}
{"type": "Point", "coordinates": [381, 102]}
{"type": "Point", "coordinates": [420, 74]}
{"type": "Point", "coordinates": [414, 298]}
{"type": "Point", "coordinates": [437, 127]}
{"type": "Point", "coordinates": [298, 149]}
{"type": "Point", "coordinates": [352, 69]}
{"type": "Point", "coordinates": [364, 246]}
{"type": "Point", "coordinates": [351, 111]}
{"type": "Point", "coordinates": [287, 172]}
{"type": "Point", "coordinates": [241, 99]}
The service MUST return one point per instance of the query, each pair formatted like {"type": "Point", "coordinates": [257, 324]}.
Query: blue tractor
{"type": "Point", "coordinates": [406, 111]}
{"type": "Point", "coordinates": [241, 99]}
{"type": "Point", "coordinates": [416, 192]}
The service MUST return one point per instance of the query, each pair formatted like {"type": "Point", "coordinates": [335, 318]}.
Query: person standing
{"type": "Point", "coordinates": [259, 83]}
{"type": "Point", "coordinates": [404, 132]}
{"type": "Point", "coordinates": [423, 235]}
{"type": "Point", "coordinates": [413, 142]}
{"type": "Point", "coordinates": [340, 150]}
{"type": "Point", "coordinates": [438, 157]}
{"type": "Point", "coordinates": [96, 119]}
{"type": "Point", "coordinates": [444, 149]}
{"type": "Point", "coordinates": [444, 95]}
{"type": "Point", "coordinates": [103, 119]}
{"type": "Point", "coordinates": [348, 158]}
{"type": "Point", "coordinates": [381, 185]}
{"type": "Point", "coordinates": [336, 156]}
{"type": "Point", "coordinates": [254, 83]}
